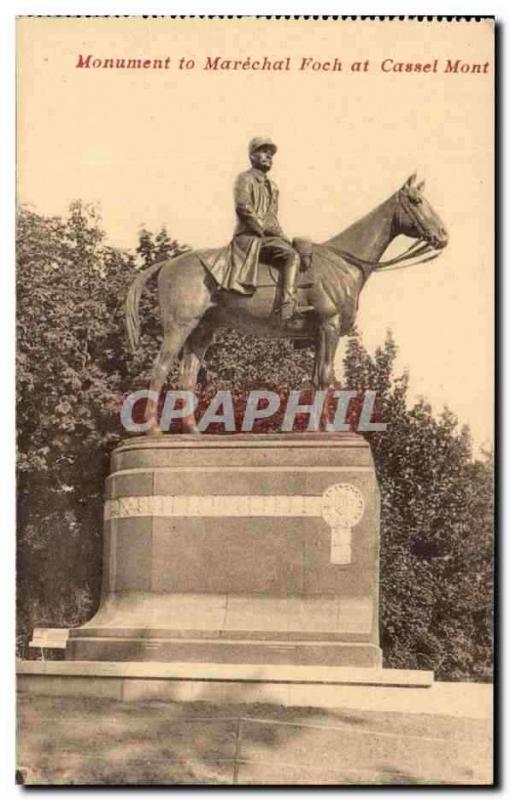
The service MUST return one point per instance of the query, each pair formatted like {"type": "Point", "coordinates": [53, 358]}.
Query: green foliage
{"type": "Point", "coordinates": [73, 371]}
{"type": "Point", "coordinates": [239, 360]}
{"type": "Point", "coordinates": [436, 529]}
{"type": "Point", "coordinates": [242, 363]}
{"type": "Point", "coordinates": [157, 248]}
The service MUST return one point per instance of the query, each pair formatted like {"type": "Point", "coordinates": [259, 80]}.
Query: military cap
{"type": "Point", "coordinates": [261, 141]}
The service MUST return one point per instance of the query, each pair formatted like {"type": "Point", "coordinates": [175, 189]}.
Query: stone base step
{"type": "Point", "coordinates": [286, 673]}
{"type": "Point", "coordinates": [327, 687]}
{"type": "Point", "coordinates": [221, 650]}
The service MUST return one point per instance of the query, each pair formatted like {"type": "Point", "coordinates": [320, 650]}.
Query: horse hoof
{"type": "Point", "coordinates": [154, 430]}
{"type": "Point", "coordinates": [191, 429]}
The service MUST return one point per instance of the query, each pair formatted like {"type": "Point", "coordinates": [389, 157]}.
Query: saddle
{"type": "Point", "coordinates": [304, 247]}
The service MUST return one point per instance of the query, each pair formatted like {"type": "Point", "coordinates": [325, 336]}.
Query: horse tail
{"type": "Point", "coordinates": [132, 303]}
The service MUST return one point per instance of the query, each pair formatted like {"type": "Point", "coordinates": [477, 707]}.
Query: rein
{"type": "Point", "coordinates": [419, 252]}
{"type": "Point", "coordinates": [420, 249]}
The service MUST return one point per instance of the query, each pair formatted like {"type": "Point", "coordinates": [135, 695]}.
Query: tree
{"type": "Point", "coordinates": [73, 369]}
{"type": "Point", "coordinates": [152, 249]}
{"type": "Point", "coordinates": [436, 528]}
{"type": "Point", "coordinates": [146, 247]}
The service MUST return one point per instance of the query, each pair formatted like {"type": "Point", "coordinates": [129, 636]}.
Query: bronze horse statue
{"type": "Point", "coordinates": [193, 306]}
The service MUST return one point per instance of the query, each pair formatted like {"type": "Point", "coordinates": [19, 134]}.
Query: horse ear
{"type": "Point", "coordinates": [411, 180]}
{"type": "Point", "coordinates": [420, 186]}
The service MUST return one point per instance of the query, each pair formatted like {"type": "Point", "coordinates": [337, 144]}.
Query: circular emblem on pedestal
{"type": "Point", "coordinates": [342, 505]}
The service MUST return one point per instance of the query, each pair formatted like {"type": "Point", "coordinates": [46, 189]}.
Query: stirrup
{"type": "Point", "coordinates": [288, 310]}
{"type": "Point", "coordinates": [298, 311]}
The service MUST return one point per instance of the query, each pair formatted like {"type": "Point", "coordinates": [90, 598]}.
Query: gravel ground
{"type": "Point", "coordinates": [83, 741]}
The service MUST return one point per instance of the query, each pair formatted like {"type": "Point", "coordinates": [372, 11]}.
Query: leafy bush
{"type": "Point", "coordinates": [436, 529]}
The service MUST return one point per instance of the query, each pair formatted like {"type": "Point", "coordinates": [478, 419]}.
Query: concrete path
{"type": "Point", "coordinates": [78, 741]}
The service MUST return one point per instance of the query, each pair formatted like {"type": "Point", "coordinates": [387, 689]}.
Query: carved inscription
{"type": "Point", "coordinates": [341, 506]}
{"type": "Point", "coordinates": [214, 506]}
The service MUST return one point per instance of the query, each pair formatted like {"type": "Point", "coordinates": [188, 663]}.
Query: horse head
{"type": "Point", "coordinates": [416, 218]}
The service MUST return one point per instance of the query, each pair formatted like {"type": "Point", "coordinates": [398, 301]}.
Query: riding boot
{"type": "Point", "coordinates": [290, 272]}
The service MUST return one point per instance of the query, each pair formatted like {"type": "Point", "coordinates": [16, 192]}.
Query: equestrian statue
{"type": "Point", "coordinates": [266, 284]}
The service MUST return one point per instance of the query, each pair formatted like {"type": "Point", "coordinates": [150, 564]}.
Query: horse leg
{"type": "Point", "coordinates": [323, 372]}
{"type": "Point", "coordinates": [173, 342]}
{"type": "Point", "coordinates": [195, 349]}
{"type": "Point", "coordinates": [184, 298]}
{"type": "Point", "coordinates": [327, 342]}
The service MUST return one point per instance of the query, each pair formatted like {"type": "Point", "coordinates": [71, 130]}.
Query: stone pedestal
{"type": "Point", "coordinates": [242, 549]}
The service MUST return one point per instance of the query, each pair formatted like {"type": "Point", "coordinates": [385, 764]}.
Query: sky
{"type": "Point", "coordinates": [162, 147]}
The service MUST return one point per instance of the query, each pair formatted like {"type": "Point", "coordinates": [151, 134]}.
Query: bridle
{"type": "Point", "coordinates": [421, 249]}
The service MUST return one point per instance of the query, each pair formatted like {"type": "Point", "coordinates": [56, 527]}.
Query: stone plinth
{"type": "Point", "coordinates": [294, 685]}
{"type": "Point", "coordinates": [258, 549]}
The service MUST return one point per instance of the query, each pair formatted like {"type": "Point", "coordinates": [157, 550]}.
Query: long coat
{"type": "Point", "coordinates": [235, 267]}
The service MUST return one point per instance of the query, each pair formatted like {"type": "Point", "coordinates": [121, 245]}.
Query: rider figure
{"type": "Point", "coordinates": [256, 204]}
